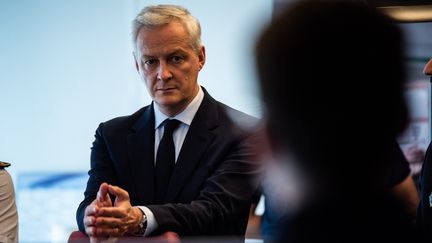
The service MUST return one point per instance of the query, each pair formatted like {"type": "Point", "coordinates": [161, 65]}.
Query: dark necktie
{"type": "Point", "coordinates": [165, 159]}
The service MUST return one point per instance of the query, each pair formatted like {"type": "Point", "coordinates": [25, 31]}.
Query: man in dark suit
{"type": "Point", "coordinates": [208, 188]}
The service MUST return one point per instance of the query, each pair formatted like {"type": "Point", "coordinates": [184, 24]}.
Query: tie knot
{"type": "Point", "coordinates": [170, 125]}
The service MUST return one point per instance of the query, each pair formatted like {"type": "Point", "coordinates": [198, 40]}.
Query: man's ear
{"type": "Point", "coordinates": [136, 62]}
{"type": "Point", "coordinates": [202, 57]}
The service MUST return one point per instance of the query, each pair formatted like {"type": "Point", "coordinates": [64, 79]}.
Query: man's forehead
{"type": "Point", "coordinates": [164, 44]}
{"type": "Point", "coordinates": [164, 50]}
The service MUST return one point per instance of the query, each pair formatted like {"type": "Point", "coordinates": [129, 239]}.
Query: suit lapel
{"type": "Point", "coordinates": [141, 151]}
{"type": "Point", "coordinates": [197, 140]}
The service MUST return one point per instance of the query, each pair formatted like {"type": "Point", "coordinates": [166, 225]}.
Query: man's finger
{"type": "Point", "coordinates": [118, 212]}
{"type": "Point", "coordinates": [90, 231]}
{"type": "Point", "coordinates": [109, 222]}
{"type": "Point", "coordinates": [102, 195]}
{"type": "Point", "coordinates": [89, 221]}
{"type": "Point", "coordinates": [121, 194]}
{"type": "Point", "coordinates": [91, 209]}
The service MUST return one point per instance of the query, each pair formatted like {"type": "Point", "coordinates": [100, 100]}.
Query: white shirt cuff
{"type": "Point", "coordinates": [152, 225]}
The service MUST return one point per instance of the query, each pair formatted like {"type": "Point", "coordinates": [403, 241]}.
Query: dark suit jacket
{"type": "Point", "coordinates": [212, 182]}
{"type": "Point", "coordinates": [424, 211]}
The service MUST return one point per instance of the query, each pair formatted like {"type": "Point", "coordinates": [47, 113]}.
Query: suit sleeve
{"type": "Point", "coordinates": [424, 211]}
{"type": "Point", "coordinates": [101, 170]}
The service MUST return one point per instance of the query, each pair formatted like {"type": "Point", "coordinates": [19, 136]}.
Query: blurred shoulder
{"type": "Point", "coordinates": [4, 164]}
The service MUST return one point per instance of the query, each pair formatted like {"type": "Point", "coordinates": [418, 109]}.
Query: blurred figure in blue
{"type": "Point", "coordinates": [331, 76]}
{"type": "Point", "coordinates": [8, 209]}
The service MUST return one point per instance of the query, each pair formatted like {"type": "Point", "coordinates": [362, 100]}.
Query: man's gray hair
{"type": "Point", "coordinates": [162, 14]}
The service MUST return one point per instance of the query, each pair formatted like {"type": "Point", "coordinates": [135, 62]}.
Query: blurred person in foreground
{"type": "Point", "coordinates": [424, 211]}
{"type": "Point", "coordinates": [8, 209]}
{"type": "Point", "coordinates": [331, 75]}
{"type": "Point", "coordinates": [207, 188]}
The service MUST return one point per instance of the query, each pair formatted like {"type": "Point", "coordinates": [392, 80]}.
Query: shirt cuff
{"type": "Point", "coordinates": [152, 225]}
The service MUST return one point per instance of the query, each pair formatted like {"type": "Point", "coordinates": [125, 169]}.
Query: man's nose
{"type": "Point", "coordinates": [164, 72]}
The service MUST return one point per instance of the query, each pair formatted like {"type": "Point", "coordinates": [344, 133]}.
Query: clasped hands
{"type": "Point", "coordinates": [106, 219]}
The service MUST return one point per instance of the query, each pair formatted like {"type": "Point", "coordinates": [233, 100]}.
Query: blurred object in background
{"type": "Point", "coordinates": [43, 199]}
{"type": "Point", "coordinates": [416, 137]}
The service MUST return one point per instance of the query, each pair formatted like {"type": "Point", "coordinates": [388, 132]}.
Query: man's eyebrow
{"type": "Point", "coordinates": [174, 52]}
{"type": "Point", "coordinates": [144, 56]}
{"type": "Point", "coordinates": [177, 51]}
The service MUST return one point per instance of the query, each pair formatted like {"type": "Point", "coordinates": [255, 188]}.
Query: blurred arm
{"type": "Point", "coordinates": [406, 192]}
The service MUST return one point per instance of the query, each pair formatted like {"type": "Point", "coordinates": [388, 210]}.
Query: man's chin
{"type": "Point", "coordinates": [168, 102]}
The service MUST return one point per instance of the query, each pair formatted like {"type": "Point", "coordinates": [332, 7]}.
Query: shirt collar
{"type": "Point", "coordinates": [186, 116]}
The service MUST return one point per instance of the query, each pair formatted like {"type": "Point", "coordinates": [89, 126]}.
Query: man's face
{"type": "Point", "coordinates": [168, 65]}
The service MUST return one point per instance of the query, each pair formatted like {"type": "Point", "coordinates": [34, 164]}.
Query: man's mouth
{"type": "Point", "coordinates": [165, 89]}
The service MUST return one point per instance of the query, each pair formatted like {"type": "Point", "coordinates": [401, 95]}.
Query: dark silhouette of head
{"type": "Point", "coordinates": [331, 75]}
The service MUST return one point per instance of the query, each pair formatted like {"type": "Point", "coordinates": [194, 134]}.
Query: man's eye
{"type": "Point", "coordinates": [150, 62]}
{"type": "Point", "coordinates": [176, 59]}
